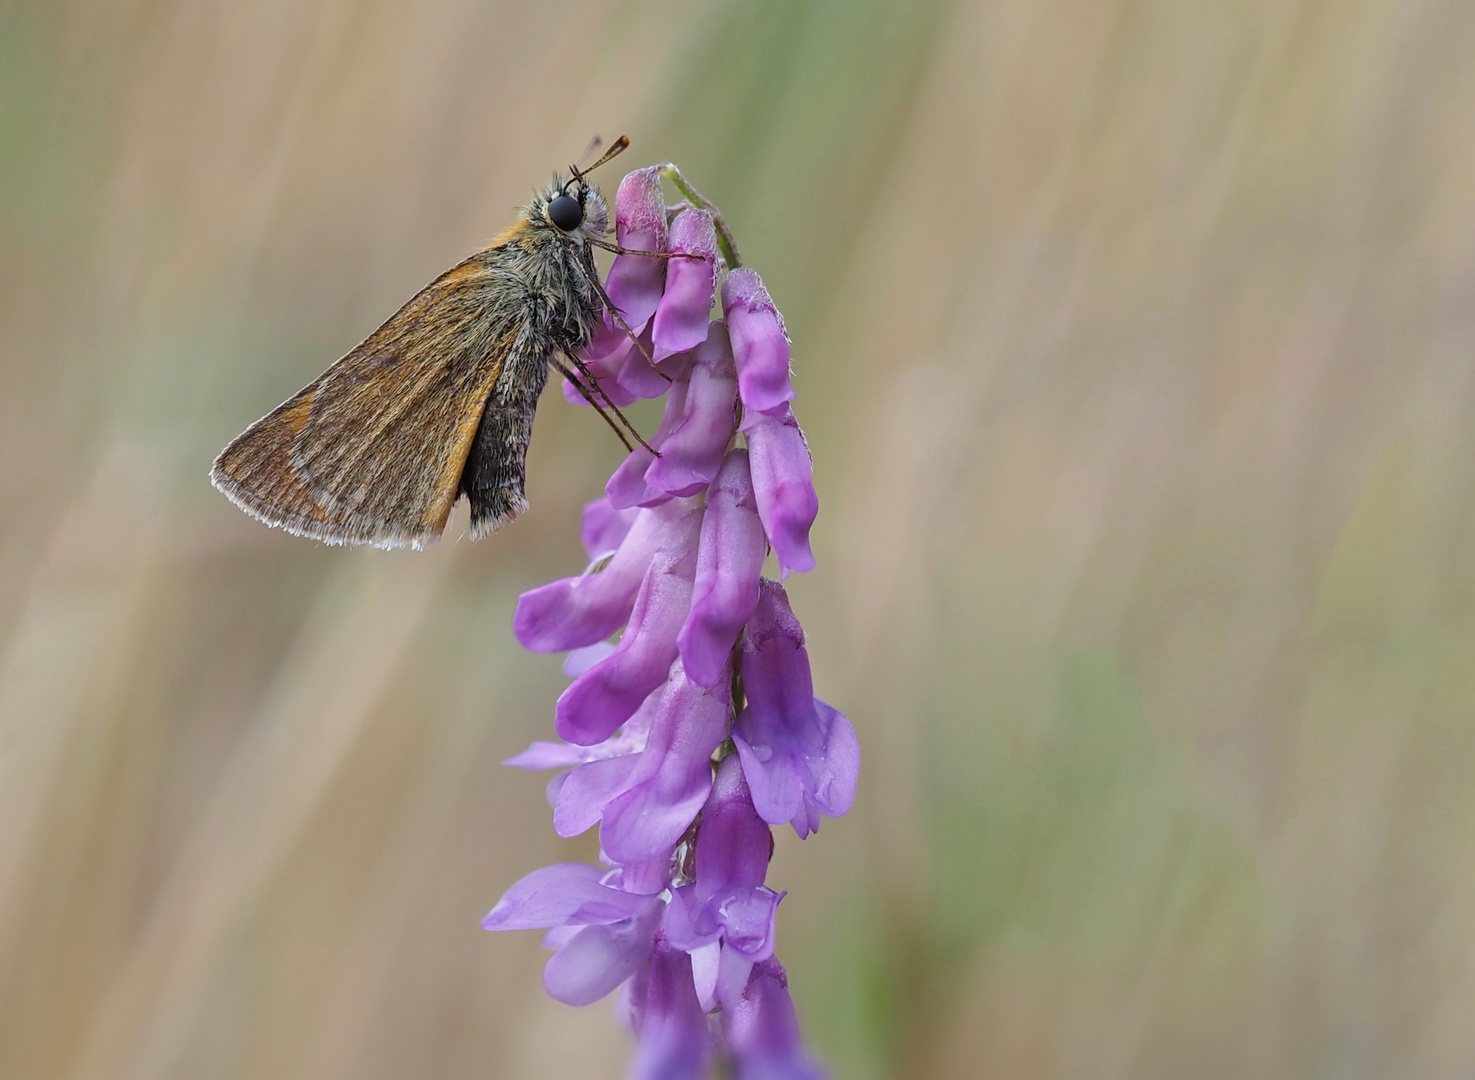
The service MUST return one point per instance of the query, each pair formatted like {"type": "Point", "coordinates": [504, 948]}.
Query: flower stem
{"type": "Point", "coordinates": [725, 240]}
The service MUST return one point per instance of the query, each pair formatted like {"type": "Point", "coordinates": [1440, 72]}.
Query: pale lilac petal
{"type": "Point", "coordinates": [578, 611]}
{"type": "Point", "coordinates": [599, 958]}
{"type": "Point", "coordinates": [630, 739]}
{"type": "Point", "coordinates": [581, 660]}
{"type": "Point", "coordinates": [748, 918]}
{"type": "Point", "coordinates": [559, 936]}
{"type": "Point", "coordinates": [650, 877]}
{"type": "Point", "coordinates": [608, 694]}
{"type": "Point", "coordinates": [763, 1031]}
{"type": "Point", "coordinates": [729, 562]}
{"type": "Point", "coordinates": [686, 924]}
{"type": "Point", "coordinates": [783, 484]}
{"type": "Point", "coordinates": [674, 776]}
{"type": "Point", "coordinates": [733, 971]}
{"type": "Point", "coordinates": [680, 321]}
{"type": "Point", "coordinates": [588, 789]}
{"type": "Point", "coordinates": [692, 452]}
{"type": "Point", "coordinates": [705, 964]}
{"type": "Point", "coordinates": [560, 895]}
{"type": "Point", "coordinates": [674, 1041]}
{"type": "Point", "coordinates": [604, 528]}
{"type": "Point", "coordinates": [759, 342]}
{"type": "Point", "coordinates": [547, 755]}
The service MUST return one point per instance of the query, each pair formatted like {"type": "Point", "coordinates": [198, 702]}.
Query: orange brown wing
{"type": "Point", "coordinates": [371, 452]}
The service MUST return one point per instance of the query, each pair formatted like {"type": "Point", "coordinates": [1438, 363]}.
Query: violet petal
{"type": "Point", "coordinates": [759, 342]}
{"type": "Point", "coordinates": [692, 452]}
{"type": "Point", "coordinates": [796, 750]}
{"type": "Point", "coordinates": [729, 562]}
{"type": "Point", "coordinates": [604, 528]}
{"type": "Point", "coordinates": [599, 958]}
{"type": "Point", "coordinates": [578, 611]}
{"type": "Point", "coordinates": [674, 776]}
{"type": "Point", "coordinates": [783, 484]}
{"type": "Point", "coordinates": [680, 321]}
{"type": "Point", "coordinates": [673, 1040]}
{"type": "Point", "coordinates": [763, 1031]}
{"type": "Point", "coordinates": [608, 694]}
{"type": "Point", "coordinates": [559, 895]}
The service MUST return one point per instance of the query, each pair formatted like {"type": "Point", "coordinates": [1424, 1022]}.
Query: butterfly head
{"type": "Point", "coordinates": [574, 208]}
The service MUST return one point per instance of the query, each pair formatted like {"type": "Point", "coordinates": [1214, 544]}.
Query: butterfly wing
{"type": "Point", "coordinates": [372, 452]}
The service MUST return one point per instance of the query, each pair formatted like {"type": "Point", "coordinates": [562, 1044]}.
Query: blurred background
{"type": "Point", "coordinates": [1133, 339]}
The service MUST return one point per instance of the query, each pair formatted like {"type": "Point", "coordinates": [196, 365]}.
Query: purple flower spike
{"type": "Point", "coordinates": [692, 453]}
{"type": "Point", "coordinates": [729, 562]}
{"type": "Point", "coordinates": [574, 612]}
{"type": "Point", "coordinates": [800, 756]}
{"type": "Point", "coordinates": [783, 482]}
{"type": "Point", "coordinates": [759, 342]}
{"type": "Point", "coordinates": [635, 282]}
{"type": "Point", "coordinates": [674, 1043]}
{"type": "Point", "coordinates": [681, 319]}
{"type": "Point", "coordinates": [763, 1031]}
{"type": "Point", "coordinates": [673, 777]}
{"type": "Point", "coordinates": [608, 694]}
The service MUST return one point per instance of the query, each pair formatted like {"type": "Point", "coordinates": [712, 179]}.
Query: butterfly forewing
{"type": "Point", "coordinates": [373, 450]}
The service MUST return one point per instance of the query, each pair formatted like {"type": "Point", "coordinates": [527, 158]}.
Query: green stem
{"type": "Point", "coordinates": [725, 240]}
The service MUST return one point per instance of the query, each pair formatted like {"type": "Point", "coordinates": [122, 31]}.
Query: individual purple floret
{"type": "Point", "coordinates": [729, 562]}
{"type": "Point", "coordinates": [644, 801]}
{"type": "Point", "coordinates": [799, 755]}
{"type": "Point", "coordinates": [573, 612]}
{"type": "Point", "coordinates": [759, 341]}
{"type": "Point", "coordinates": [602, 934]}
{"type": "Point", "coordinates": [692, 451]}
{"type": "Point", "coordinates": [608, 694]}
{"type": "Point", "coordinates": [680, 321]}
{"type": "Point", "coordinates": [783, 482]}
{"type": "Point", "coordinates": [690, 727]}
{"type": "Point", "coordinates": [634, 284]}
{"type": "Point", "coordinates": [763, 1032]}
{"type": "Point", "coordinates": [725, 919]}
{"type": "Point", "coordinates": [674, 1042]}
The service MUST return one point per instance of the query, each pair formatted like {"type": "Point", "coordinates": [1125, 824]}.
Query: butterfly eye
{"type": "Point", "coordinates": [565, 212]}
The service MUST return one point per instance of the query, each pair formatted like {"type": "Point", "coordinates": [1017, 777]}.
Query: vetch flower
{"type": "Point", "coordinates": [729, 561]}
{"type": "Point", "coordinates": [673, 1039]}
{"type": "Point", "coordinates": [602, 934]}
{"type": "Point", "coordinates": [783, 482]}
{"type": "Point", "coordinates": [763, 1031]}
{"type": "Point", "coordinates": [680, 321]}
{"type": "Point", "coordinates": [759, 342]}
{"type": "Point", "coordinates": [799, 755]}
{"type": "Point", "coordinates": [608, 694]}
{"type": "Point", "coordinates": [644, 801]}
{"type": "Point", "coordinates": [635, 284]}
{"type": "Point", "coordinates": [725, 919]}
{"type": "Point", "coordinates": [691, 452]}
{"type": "Point", "coordinates": [574, 612]}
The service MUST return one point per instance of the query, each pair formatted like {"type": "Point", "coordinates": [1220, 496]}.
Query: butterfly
{"type": "Point", "coordinates": [439, 401]}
